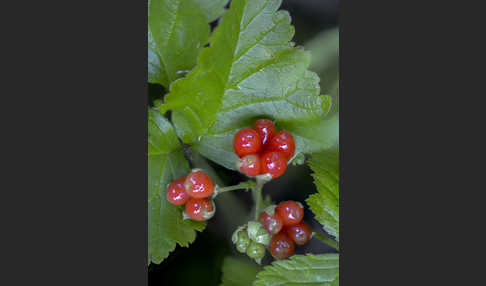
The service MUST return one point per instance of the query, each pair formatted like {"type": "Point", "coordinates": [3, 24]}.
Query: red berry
{"type": "Point", "coordinates": [176, 194]}
{"type": "Point", "coordinates": [283, 142]}
{"type": "Point", "coordinates": [199, 209]}
{"type": "Point", "coordinates": [250, 165]}
{"type": "Point", "coordinates": [291, 212]}
{"type": "Point", "coordinates": [281, 246]}
{"type": "Point", "coordinates": [273, 224]}
{"type": "Point", "coordinates": [247, 141]}
{"type": "Point", "coordinates": [198, 185]}
{"type": "Point", "coordinates": [265, 128]}
{"type": "Point", "coordinates": [274, 163]}
{"type": "Point", "coordinates": [300, 233]}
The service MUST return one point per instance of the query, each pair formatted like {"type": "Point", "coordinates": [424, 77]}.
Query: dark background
{"type": "Point", "coordinates": [201, 262]}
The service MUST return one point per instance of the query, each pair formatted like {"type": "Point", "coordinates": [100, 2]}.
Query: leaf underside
{"type": "Point", "coordinates": [301, 270]}
{"type": "Point", "coordinates": [325, 203]}
{"type": "Point", "coordinates": [250, 70]}
{"type": "Point", "coordinates": [166, 163]}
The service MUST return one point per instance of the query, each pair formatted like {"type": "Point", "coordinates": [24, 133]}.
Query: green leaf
{"type": "Point", "coordinates": [238, 272]}
{"type": "Point", "coordinates": [166, 163]}
{"type": "Point", "coordinates": [177, 31]}
{"type": "Point", "coordinates": [315, 136]}
{"type": "Point", "coordinates": [212, 9]}
{"type": "Point", "coordinates": [249, 71]}
{"type": "Point", "coordinates": [325, 203]}
{"type": "Point", "coordinates": [300, 270]}
{"type": "Point", "coordinates": [325, 61]}
{"type": "Point", "coordinates": [323, 134]}
{"type": "Point", "coordinates": [325, 58]}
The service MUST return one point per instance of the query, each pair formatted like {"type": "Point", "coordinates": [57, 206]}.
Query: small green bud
{"type": "Point", "coordinates": [257, 233]}
{"type": "Point", "coordinates": [243, 242]}
{"type": "Point", "coordinates": [264, 177]}
{"type": "Point", "coordinates": [267, 201]}
{"type": "Point", "coordinates": [240, 238]}
{"type": "Point", "coordinates": [255, 250]}
{"type": "Point", "coordinates": [241, 247]}
{"type": "Point", "coordinates": [299, 159]}
{"type": "Point", "coordinates": [270, 210]}
{"type": "Point", "coordinates": [235, 237]}
{"type": "Point", "coordinates": [158, 102]}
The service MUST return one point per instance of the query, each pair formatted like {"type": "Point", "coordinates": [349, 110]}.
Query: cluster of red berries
{"type": "Point", "coordinates": [263, 151]}
{"type": "Point", "coordinates": [285, 223]}
{"type": "Point", "coordinates": [194, 191]}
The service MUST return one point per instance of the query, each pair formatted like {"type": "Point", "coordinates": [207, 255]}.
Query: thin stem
{"type": "Point", "coordinates": [232, 212]}
{"type": "Point", "coordinates": [257, 197]}
{"type": "Point", "coordinates": [240, 186]}
{"type": "Point", "coordinates": [326, 240]}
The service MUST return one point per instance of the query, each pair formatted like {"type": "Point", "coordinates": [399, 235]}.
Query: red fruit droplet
{"type": "Point", "coordinates": [176, 193]}
{"type": "Point", "coordinates": [291, 212]}
{"type": "Point", "coordinates": [198, 185]}
{"type": "Point", "coordinates": [247, 141]}
{"type": "Point", "coordinates": [281, 246]}
{"type": "Point", "coordinates": [199, 209]}
{"type": "Point", "coordinates": [250, 165]}
{"type": "Point", "coordinates": [283, 142]}
{"type": "Point", "coordinates": [274, 163]}
{"type": "Point", "coordinates": [300, 233]}
{"type": "Point", "coordinates": [273, 224]}
{"type": "Point", "coordinates": [265, 128]}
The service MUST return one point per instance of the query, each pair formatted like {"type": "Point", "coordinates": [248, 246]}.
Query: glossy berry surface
{"type": "Point", "coordinates": [291, 212]}
{"type": "Point", "coordinates": [274, 163]}
{"type": "Point", "coordinates": [273, 224]}
{"type": "Point", "coordinates": [283, 142]}
{"type": "Point", "coordinates": [176, 193]}
{"type": "Point", "coordinates": [265, 128]}
{"type": "Point", "coordinates": [247, 141]}
{"type": "Point", "coordinates": [198, 185]}
{"type": "Point", "coordinates": [250, 165]}
{"type": "Point", "coordinates": [281, 246]}
{"type": "Point", "coordinates": [299, 233]}
{"type": "Point", "coordinates": [199, 209]}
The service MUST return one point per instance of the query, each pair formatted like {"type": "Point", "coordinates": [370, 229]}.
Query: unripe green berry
{"type": "Point", "coordinates": [243, 242]}
{"type": "Point", "coordinates": [235, 235]}
{"type": "Point", "coordinates": [255, 250]}
{"type": "Point", "coordinates": [158, 102]}
{"type": "Point", "coordinates": [257, 233]}
{"type": "Point", "coordinates": [299, 159]}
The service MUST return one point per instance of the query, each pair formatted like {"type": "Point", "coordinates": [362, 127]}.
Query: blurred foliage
{"type": "Point", "coordinates": [238, 271]}
{"type": "Point", "coordinates": [325, 60]}
{"type": "Point", "coordinates": [200, 264]}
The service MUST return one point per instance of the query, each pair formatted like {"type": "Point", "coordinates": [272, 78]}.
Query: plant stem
{"type": "Point", "coordinates": [240, 186]}
{"type": "Point", "coordinates": [232, 211]}
{"type": "Point", "coordinates": [257, 196]}
{"type": "Point", "coordinates": [326, 240]}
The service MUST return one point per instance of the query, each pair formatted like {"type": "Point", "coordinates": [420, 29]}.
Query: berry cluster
{"type": "Point", "coordinates": [193, 191]}
{"type": "Point", "coordinates": [285, 223]}
{"type": "Point", "coordinates": [263, 151]}
{"type": "Point", "coordinates": [251, 239]}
